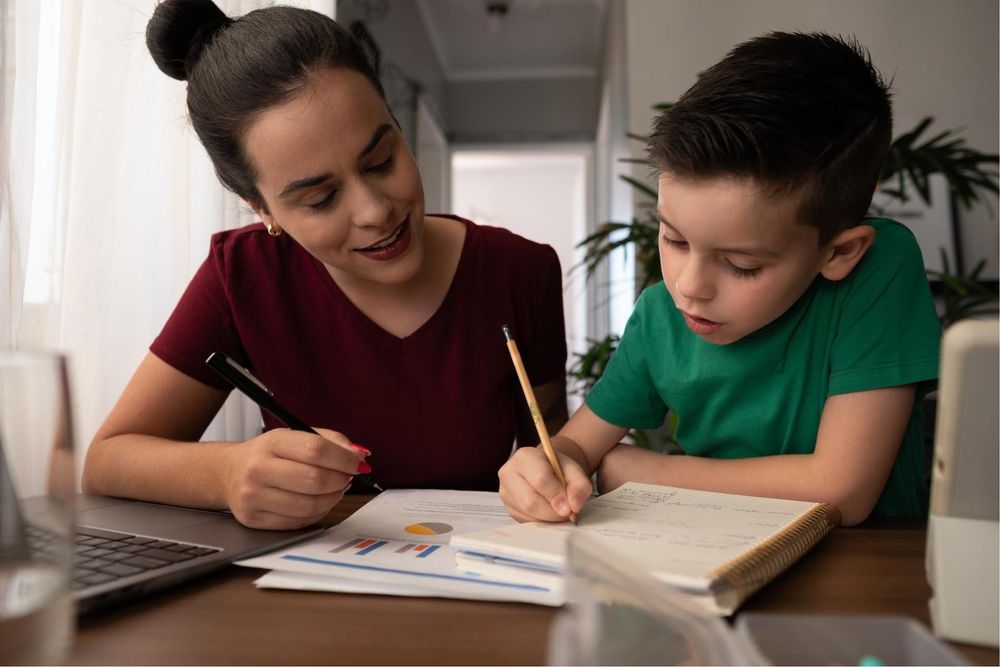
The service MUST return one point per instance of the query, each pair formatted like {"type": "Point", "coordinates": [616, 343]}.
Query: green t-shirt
{"type": "Point", "coordinates": [764, 394]}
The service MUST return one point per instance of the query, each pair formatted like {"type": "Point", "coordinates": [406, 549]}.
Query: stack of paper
{"type": "Point", "coordinates": [716, 548]}
{"type": "Point", "coordinates": [398, 544]}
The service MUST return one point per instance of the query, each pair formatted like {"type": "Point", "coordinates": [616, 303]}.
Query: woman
{"type": "Point", "coordinates": [359, 311]}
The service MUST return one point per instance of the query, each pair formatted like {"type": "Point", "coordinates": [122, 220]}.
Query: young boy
{"type": "Point", "coordinates": [793, 338]}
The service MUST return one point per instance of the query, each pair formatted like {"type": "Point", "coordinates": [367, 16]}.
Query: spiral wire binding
{"type": "Point", "coordinates": [750, 570]}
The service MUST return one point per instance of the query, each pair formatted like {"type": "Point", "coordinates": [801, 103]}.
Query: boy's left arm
{"type": "Point", "coordinates": [859, 437]}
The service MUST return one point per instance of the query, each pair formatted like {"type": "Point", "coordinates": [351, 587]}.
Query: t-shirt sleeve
{"type": "Point", "coordinates": [625, 394]}
{"type": "Point", "coordinates": [200, 324]}
{"type": "Point", "coordinates": [888, 334]}
{"type": "Point", "coordinates": [545, 353]}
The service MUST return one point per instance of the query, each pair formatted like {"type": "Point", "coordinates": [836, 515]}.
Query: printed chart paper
{"type": "Point", "coordinates": [398, 544]}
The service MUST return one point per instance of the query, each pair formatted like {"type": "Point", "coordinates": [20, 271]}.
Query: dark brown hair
{"type": "Point", "coordinates": [238, 67]}
{"type": "Point", "coordinates": [795, 112]}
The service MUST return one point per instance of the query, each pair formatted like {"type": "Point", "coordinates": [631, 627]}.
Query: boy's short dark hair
{"type": "Point", "coordinates": [788, 110]}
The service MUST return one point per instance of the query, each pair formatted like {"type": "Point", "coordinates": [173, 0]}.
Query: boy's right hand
{"type": "Point", "coordinates": [532, 492]}
{"type": "Point", "coordinates": [286, 479]}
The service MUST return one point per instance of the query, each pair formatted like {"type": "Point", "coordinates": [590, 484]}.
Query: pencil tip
{"type": "Point", "coordinates": [506, 332]}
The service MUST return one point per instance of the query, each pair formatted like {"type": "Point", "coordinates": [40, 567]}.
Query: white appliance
{"type": "Point", "coordinates": [963, 539]}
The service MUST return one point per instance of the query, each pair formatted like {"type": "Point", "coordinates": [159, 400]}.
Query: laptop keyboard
{"type": "Point", "coordinates": [100, 556]}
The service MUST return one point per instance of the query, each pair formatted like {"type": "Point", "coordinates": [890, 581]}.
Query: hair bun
{"type": "Point", "coordinates": [178, 32]}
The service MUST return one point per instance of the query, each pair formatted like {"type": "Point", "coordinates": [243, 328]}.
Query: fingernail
{"type": "Point", "coordinates": [562, 509]}
{"type": "Point", "coordinates": [364, 467]}
{"type": "Point", "coordinates": [362, 450]}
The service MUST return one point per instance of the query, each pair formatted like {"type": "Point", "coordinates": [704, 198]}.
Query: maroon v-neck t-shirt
{"type": "Point", "coordinates": [436, 408]}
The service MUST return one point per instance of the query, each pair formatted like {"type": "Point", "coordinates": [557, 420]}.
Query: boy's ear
{"type": "Point", "coordinates": [845, 251]}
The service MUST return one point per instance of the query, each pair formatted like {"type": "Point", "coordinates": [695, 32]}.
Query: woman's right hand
{"type": "Point", "coordinates": [286, 479]}
{"type": "Point", "coordinates": [532, 492]}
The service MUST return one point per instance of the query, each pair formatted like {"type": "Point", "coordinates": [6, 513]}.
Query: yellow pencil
{"type": "Point", "coordinates": [536, 414]}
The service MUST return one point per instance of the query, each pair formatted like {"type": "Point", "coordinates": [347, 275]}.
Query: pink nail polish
{"type": "Point", "coordinates": [364, 468]}
{"type": "Point", "coordinates": [362, 450]}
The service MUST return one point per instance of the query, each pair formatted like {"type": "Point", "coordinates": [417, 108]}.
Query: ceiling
{"type": "Point", "coordinates": [515, 39]}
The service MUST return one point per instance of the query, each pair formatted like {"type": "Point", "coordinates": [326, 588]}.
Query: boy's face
{"type": "Point", "coordinates": [733, 258]}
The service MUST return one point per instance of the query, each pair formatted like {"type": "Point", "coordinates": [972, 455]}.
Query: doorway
{"type": "Point", "coordinates": [540, 192]}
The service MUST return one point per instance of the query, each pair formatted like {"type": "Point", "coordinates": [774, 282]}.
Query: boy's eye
{"type": "Point", "coordinates": [742, 272]}
{"type": "Point", "coordinates": [323, 203]}
{"type": "Point", "coordinates": [672, 243]}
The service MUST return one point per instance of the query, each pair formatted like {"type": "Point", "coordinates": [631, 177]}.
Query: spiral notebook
{"type": "Point", "coordinates": [717, 548]}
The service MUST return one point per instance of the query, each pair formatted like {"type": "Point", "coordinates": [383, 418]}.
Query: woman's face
{"type": "Point", "coordinates": [335, 173]}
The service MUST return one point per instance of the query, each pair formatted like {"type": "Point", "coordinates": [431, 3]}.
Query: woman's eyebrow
{"type": "Point", "coordinates": [309, 181]}
{"type": "Point", "coordinates": [382, 129]}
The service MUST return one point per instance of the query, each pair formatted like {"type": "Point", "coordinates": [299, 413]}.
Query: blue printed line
{"type": "Point", "coordinates": [428, 551]}
{"type": "Point", "coordinates": [512, 561]}
{"type": "Point", "coordinates": [370, 548]}
{"type": "Point", "coordinates": [431, 575]}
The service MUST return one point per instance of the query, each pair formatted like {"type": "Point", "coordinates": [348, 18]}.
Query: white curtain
{"type": "Point", "coordinates": [16, 148]}
{"type": "Point", "coordinates": [133, 200]}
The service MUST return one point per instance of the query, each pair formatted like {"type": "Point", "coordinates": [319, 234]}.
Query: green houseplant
{"type": "Point", "coordinates": [963, 296]}
{"type": "Point", "coordinates": [912, 159]}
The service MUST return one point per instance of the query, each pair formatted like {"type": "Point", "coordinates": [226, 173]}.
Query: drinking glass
{"type": "Point", "coordinates": [37, 490]}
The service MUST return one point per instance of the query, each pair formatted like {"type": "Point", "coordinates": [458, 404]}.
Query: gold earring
{"type": "Point", "coordinates": [273, 230]}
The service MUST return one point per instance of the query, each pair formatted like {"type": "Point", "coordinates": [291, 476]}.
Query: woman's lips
{"type": "Point", "coordinates": [700, 325]}
{"type": "Point", "coordinates": [401, 239]}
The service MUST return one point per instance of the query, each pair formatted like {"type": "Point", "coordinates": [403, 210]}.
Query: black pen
{"type": "Point", "coordinates": [255, 390]}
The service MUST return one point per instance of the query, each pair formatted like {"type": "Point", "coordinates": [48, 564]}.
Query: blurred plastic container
{"type": "Point", "coordinates": [806, 639]}
{"type": "Point", "coordinates": [619, 615]}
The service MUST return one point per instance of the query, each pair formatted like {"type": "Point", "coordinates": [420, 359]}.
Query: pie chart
{"type": "Point", "coordinates": [428, 528]}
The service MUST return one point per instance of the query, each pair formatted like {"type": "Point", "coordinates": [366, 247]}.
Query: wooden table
{"type": "Point", "coordinates": [223, 619]}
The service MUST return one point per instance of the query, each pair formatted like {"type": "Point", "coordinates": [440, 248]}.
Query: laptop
{"type": "Point", "coordinates": [126, 548]}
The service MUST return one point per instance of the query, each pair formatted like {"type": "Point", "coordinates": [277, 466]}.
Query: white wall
{"type": "Point", "coordinates": [433, 159]}
{"type": "Point", "coordinates": [942, 57]}
{"type": "Point", "coordinates": [539, 193]}
{"type": "Point", "coordinates": [612, 291]}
